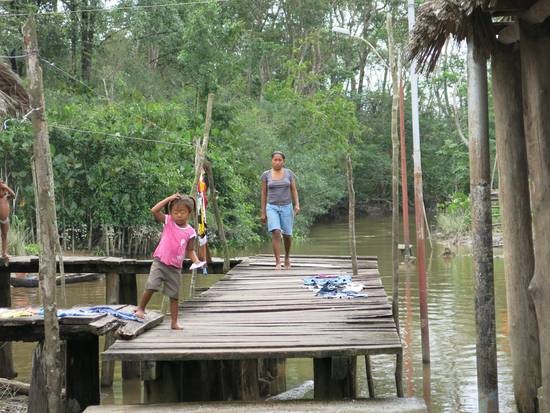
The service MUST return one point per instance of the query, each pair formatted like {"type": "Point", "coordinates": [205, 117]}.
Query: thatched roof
{"type": "Point", "coordinates": [14, 99]}
{"type": "Point", "coordinates": [438, 20]}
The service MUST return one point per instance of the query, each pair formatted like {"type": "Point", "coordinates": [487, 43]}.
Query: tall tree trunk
{"type": "Point", "coordinates": [519, 260]}
{"type": "Point", "coordinates": [87, 30]}
{"type": "Point", "coordinates": [482, 232]}
{"type": "Point", "coordinates": [73, 32]}
{"type": "Point", "coordinates": [48, 222]}
{"type": "Point", "coordinates": [535, 66]}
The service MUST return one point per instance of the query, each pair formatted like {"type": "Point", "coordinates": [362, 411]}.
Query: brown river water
{"type": "Point", "coordinates": [448, 384]}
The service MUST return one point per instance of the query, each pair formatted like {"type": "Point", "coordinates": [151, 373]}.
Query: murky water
{"type": "Point", "coordinates": [449, 383]}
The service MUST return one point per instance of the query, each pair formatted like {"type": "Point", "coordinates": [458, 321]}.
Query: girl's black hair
{"type": "Point", "coordinates": [188, 201]}
{"type": "Point", "coordinates": [278, 153]}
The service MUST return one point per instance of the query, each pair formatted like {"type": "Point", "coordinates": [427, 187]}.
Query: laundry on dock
{"type": "Point", "coordinates": [16, 312]}
{"type": "Point", "coordinates": [94, 311]}
{"type": "Point", "coordinates": [334, 286]}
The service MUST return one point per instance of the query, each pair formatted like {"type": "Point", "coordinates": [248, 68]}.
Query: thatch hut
{"type": "Point", "coordinates": [14, 99]}
{"type": "Point", "coordinates": [515, 34]}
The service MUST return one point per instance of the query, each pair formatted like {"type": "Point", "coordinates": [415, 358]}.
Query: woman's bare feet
{"type": "Point", "coordinates": [278, 266]}
{"type": "Point", "coordinates": [140, 313]}
{"type": "Point", "coordinates": [176, 327]}
{"type": "Point", "coordinates": [5, 257]}
{"type": "Point", "coordinates": [287, 263]}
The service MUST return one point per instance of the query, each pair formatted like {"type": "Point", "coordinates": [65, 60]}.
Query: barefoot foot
{"type": "Point", "coordinates": [277, 267]}
{"type": "Point", "coordinates": [5, 257]}
{"type": "Point", "coordinates": [139, 313]}
{"type": "Point", "coordinates": [176, 327]}
{"type": "Point", "coordinates": [287, 264]}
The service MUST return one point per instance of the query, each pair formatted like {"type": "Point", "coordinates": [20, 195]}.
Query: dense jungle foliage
{"type": "Point", "coordinates": [126, 83]}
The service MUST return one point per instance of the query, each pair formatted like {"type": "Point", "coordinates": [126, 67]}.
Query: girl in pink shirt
{"type": "Point", "coordinates": [175, 242]}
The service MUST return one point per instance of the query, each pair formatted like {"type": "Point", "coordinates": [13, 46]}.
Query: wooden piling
{"type": "Point", "coordinates": [37, 393]}
{"type": "Point", "coordinates": [272, 376]}
{"type": "Point", "coordinates": [112, 291]}
{"type": "Point", "coordinates": [82, 379]}
{"type": "Point", "coordinates": [6, 360]}
{"type": "Point", "coordinates": [535, 66]}
{"type": "Point", "coordinates": [334, 378]}
{"type": "Point", "coordinates": [128, 295]}
{"type": "Point", "coordinates": [514, 199]}
{"type": "Point", "coordinates": [482, 230]}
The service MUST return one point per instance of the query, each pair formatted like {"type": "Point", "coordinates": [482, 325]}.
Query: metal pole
{"type": "Point", "coordinates": [419, 206]}
{"type": "Point", "coordinates": [482, 246]}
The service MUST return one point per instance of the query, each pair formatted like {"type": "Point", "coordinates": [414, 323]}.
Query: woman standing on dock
{"type": "Point", "coordinates": [279, 191]}
{"type": "Point", "coordinates": [6, 194]}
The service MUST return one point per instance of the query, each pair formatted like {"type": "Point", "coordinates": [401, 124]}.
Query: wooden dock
{"type": "Point", "coordinates": [253, 319]}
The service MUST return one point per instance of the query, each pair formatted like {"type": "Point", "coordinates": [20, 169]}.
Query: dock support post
{"type": "Point", "coordinates": [82, 380]}
{"type": "Point", "coordinates": [271, 376]}
{"type": "Point", "coordinates": [112, 291]}
{"type": "Point", "coordinates": [165, 387]}
{"type": "Point", "coordinates": [6, 361]}
{"type": "Point", "coordinates": [335, 378]}
{"type": "Point", "coordinates": [128, 295]}
{"type": "Point", "coordinates": [370, 382]}
{"type": "Point", "coordinates": [37, 393]}
{"type": "Point", "coordinates": [399, 373]}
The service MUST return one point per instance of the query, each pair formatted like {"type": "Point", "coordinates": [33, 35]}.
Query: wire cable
{"type": "Point", "coordinates": [118, 135]}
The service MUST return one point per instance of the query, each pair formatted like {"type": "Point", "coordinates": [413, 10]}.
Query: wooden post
{"type": "Point", "coordinates": [334, 378]}
{"type": "Point", "coordinates": [200, 156]}
{"type": "Point", "coordinates": [419, 204]}
{"type": "Point", "coordinates": [404, 189]}
{"type": "Point", "coordinates": [395, 173]}
{"type": "Point", "coordinates": [128, 295]}
{"type": "Point", "coordinates": [519, 260]}
{"type": "Point", "coordinates": [37, 394]}
{"type": "Point", "coordinates": [47, 230]}
{"type": "Point", "coordinates": [217, 215]}
{"type": "Point", "coordinates": [272, 376]}
{"type": "Point", "coordinates": [165, 388]}
{"type": "Point", "coordinates": [82, 372]}
{"type": "Point", "coordinates": [6, 361]}
{"type": "Point", "coordinates": [370, 382]}
{"type": "Point", "coordinates": [112, 291]}
{"type": "Point", "coordinates": [482, 246]}
{"type": "Point", "coordinates": [535, 66]}
{"type": "Point", "coordinates": [351, 215]}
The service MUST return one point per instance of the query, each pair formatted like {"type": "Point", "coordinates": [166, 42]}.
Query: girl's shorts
{"type": "Point", "coordinates": [160, 274]}
{"type": "Point", "coordinates": [280, 217]}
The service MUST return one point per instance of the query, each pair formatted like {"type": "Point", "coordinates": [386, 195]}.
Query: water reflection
{"type": "Point", "coordinates": [449, 383]}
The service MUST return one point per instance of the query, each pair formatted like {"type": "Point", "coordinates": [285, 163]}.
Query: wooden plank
{"type": "Point", "coordinates": [384, 405]}
{"type": "Point", "coordinates": [132, 329]}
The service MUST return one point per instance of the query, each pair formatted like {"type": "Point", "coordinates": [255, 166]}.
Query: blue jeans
{"type": "Point", "coordinates": [280, 217]}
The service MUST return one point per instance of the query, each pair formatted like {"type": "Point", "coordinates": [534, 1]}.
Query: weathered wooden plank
{"type": "Point", "coordinates": [132, 329]}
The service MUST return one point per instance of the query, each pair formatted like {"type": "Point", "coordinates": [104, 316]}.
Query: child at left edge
{"type": "Point", "coordinates": [175, 242]}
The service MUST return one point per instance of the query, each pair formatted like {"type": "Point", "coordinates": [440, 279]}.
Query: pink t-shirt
{"type": "Point", "coordinates": [173, 243]}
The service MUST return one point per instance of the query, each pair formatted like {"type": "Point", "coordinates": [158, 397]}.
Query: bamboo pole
{"type": "Point", "coordinates": [482, 246]}
{"type": "Point", "coordinates": [419, 206]}
{"type": "Point", "coordinates": [519, 261]}
{"type": "Point", "coordinates": [45, 209]}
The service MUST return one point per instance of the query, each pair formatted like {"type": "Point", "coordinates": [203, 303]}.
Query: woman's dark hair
{"type": "Point", "coordinates": [277, 153]}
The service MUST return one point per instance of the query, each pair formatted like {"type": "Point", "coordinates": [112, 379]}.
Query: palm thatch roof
{"type": "Point", "coordinates": [14, 99]}
{"type": "Point", "coordinates": [438, 20]}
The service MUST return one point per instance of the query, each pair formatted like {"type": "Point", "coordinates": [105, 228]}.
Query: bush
{"type": "Point", "coordinates": [453, 217]}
